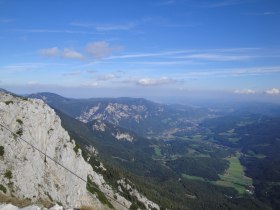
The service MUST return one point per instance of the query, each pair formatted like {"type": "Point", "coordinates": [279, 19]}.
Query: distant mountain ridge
{"type": "Point", "coordinates": [139, 115]}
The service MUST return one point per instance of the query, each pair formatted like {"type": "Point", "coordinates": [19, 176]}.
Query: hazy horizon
{"type": "Point", "coordinates": [190, 98]}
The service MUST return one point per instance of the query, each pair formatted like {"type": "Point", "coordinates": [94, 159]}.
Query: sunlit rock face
{"type": "Point", "coordinates": [27, 173]}
{"type": "Point", "coordinates": [33, 152]}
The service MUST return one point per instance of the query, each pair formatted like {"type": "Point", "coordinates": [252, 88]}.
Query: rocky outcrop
{"type": "Point", "coordinates": [115, 131]}
{"type": "Point", "coordinates": [40, 163]}
{"type": "Point", "coordinates": [114, 113]}
{"type": "Point", "coordinates": [32, 207]}
{"type": "Point", "coordinates": [123, 136]}
{"type": "Point", "coordinates": [27, 173]}
{"type": "Point", "coordinates": [125, 185]}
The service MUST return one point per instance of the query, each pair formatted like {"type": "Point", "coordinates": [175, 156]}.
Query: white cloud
{"type": "Point", "coordinates": [49, 52]}
{"type": "Point", "coordinates": [97, 50]}
{"type": "Point", "coordinates": [273, 91]}
{"type": "Point", "coordinates": [155, 82]}
{"type": "Point", "coordinates": [102, 49]}
{"type": "Point", "coordinates": [108, 77]}
{"type": "Point", "coordinates": [66, 53]}
{"type": "Point", "coordinates": [72, 54]}
{"type": "Point", "coordinates": [246, 91]}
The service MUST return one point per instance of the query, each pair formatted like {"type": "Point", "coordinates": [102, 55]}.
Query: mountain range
{"type": "Point", "coordinates": [215, 156]}
{"type": "Point", "coordinates": [139, 115]}
{"type": "Point", "coordinates": [197, 145]}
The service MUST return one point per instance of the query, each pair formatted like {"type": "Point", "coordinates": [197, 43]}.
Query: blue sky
{"type": "Point", "coordinates": [158, 49]}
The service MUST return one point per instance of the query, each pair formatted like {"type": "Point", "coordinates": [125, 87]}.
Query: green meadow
{"type": "Point", "coordinates": [234, 176]}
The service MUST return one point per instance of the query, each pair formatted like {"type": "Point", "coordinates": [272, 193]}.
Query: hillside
{"type": "Point", "coordinates": [41, 164]}
{"type": "Point", "coordinates": [197, 158]}
{"type": "Point", "coordinates": [221, 156]}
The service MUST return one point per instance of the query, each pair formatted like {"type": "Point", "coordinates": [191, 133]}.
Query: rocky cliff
{"type": "Point", "coordinates": [29, 170]}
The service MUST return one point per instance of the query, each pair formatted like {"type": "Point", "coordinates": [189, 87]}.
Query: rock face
{"type": "Point", "coordinates": [125, 185]}
{"type": "Point", "coordinates": [115, 112]}
{"type": "Point", "coordinates": [115, 131]}
{"type": "Point", "coordinates": [33, 207]}
{"type": "Point", "coordinates": [34, 147]}
{"type": "Point", "coordinates": [27, 173]}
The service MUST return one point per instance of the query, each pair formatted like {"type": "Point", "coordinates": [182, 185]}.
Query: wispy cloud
{"type": "Point", "coordinates": [273, 91]}
{"type": "Point", "coordinates": [91, 84]}
{"type": "Point", "coordinates": [107, 77]}
{"type": "Point", "coordinates": [206, 54]}
{"type": "Point", "coordinates": [72, 54]}
{"type": "Point", "coordinates": [101, 80]}
{"type": "Point", "coordinates": [49, 52]}
{"type": "Point", "coordinates": [124, 27]}
{"type": "Point", "coordinates": [155, 82]}
{"type": "Point", "coordinates": [270, 13]}
{"type": "Point", "coordinates": [102, 49]}
{"type": "Point", "coordinates": [163, 63]}
{"type": "Point", "coordinates": [83, 24]}
{"type": "Point", "coordinates": [105, 27]}
{"type": "Point", "coordinates": [237, 72]}
{"type": "Point", "coordinates": [218, 57]}
{"type": "Point", "coordinates": [21, 67]}
{"type": "Point", "coordinates": [267, 13]}
{"type": "Point", "coordinates": [193, 56]}
{"type": "Point", "coordinates": [246, 91]}
{"type": "Point", "coordinates": [73, 73]}
{"type": "Point", "coordinates": [145, 55]}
